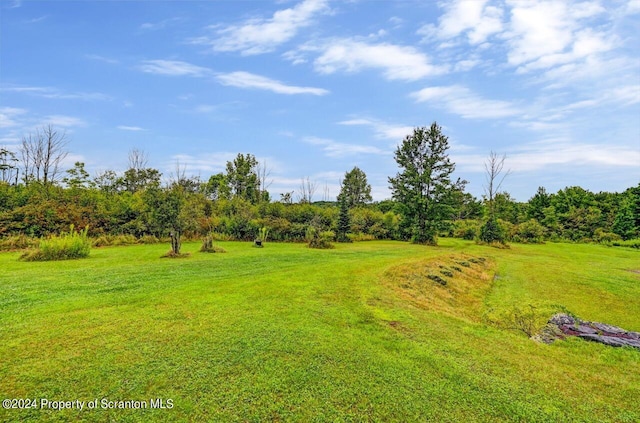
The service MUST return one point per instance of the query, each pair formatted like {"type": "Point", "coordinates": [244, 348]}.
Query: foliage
{"type": "Point", "coordinates": [530, 231]}
{"type": "Point", "coordinates": [69, 245]}
{"type": "Point", "coordinates": [343, 225]}
{"type": "Point", "coordinates": [492, 232]}
{"type": "Point", "coordinates": [631, 243]}
{"type": "Point", "coordinates": [466, 229]}
{"type": "Point", "coordinates": [320, 240]}
{"type": "Point", "coordinates": [423, 185]}
{"type": "Point", "coordinates": [242, 178]}
{"type": "Point", "coordinates": [355, 190]}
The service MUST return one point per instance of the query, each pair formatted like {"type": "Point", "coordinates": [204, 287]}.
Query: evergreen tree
{"type": "Point", "coordinates": [343, 221]}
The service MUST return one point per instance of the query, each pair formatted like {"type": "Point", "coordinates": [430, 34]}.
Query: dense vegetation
{"type": "Point", "coordinates": [38, 199]}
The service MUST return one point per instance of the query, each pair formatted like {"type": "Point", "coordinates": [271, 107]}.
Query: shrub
{"type": "Point", "coordinates": [466, 229]}
{"type": "Point", "coordinates": [530, 231]}
{"type": "Point", "coordinates": [604, 237]}
{"type": "Point", "coordinates": [70, 245]}
{"type": "Point", "coordinates": [492, 232]}
{"type": "Point", "coordinates": [360, 237]}
{"type": "Point", "coordinates": [631, 243]}
{"type": "Point", "coordinates": [320, 240]}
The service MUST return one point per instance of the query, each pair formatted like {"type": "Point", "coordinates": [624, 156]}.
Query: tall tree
{"type": "Point", "coordinates": [343, 220]}
{"type": "Point", "coordinates": [354, 188]}
{"type": "Point", "coordinates": [242, 177]}
{"type": "Point", "coordinates": [424, 184]}
{"type": "Point", "coordinates": [306, 191]}
{"type": "Point", "coordinates": [42, 154]}
{"type": "Point", "coordinates": [494, 166]}
{"type": "Point", "coordinates": [540, 201]}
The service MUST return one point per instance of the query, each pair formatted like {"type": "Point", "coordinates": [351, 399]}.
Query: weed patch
{"type": "Point", "coordinates": [66, 246]}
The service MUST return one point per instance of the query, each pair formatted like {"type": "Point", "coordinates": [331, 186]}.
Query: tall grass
{"type": "Point", "coordinates": [68, 245]}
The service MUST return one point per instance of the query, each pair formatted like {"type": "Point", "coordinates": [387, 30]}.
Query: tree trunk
{"type": "Point", "coordinates": [175, 242]}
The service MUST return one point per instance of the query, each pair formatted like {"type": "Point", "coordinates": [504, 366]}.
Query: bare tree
{"type": "Point", "coordinates": [307, 189]}
{"type": "Point", "coordinates": [42, 154]}
{"type": "Point", "coordinates": [138, 159]}
{"type": "Point", "coordinates": [263, 172]}
{"type": "Point", "coordinates": [494, 167]}
{"type": "Point", "coordinates": [325, 192]}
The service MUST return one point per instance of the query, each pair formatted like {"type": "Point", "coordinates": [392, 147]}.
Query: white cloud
{"type": "Point", "coordinates": [259, 35]}
{"type": "Point", "coordinates": [471, 17]}
{"type": "Point", "coordinates": [253, 81]}
{"type": "Point", "coordinates": [130, 128]}
{"type": "Point", "coordinates": [548, 33]}
{"type": "Point", "coordinates": [63, 121]}
{"type": "Point", "coordinates": [155, 26]}
{"type": "Point", "coordinates": [335, 149]}
{"type": "Point", "coordinates": [208, 162]}
{"type": "Point", "coordinates": [353, 55]}
{"type": "Point", "coordinates": [461, 101]}
{"type": "Point", "coordinates": [382, 129]}
{"type": "Point", "coordinates": [554, 152]}
{"type": "Point", "coordinates": [55, 93]}
{"type": "Point", "coordinates": [173, 68]}
{"type": "Point", "coordinates": [103, 59]}
{"type": "Point", "coordinates": [8, 116]}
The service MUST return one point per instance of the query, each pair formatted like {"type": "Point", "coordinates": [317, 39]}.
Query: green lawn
{"type": "Point", "coordinates": [285, 333]}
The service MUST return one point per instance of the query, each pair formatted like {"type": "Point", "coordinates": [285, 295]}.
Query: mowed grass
{"type": "Point", "coordinates": [286, 333]}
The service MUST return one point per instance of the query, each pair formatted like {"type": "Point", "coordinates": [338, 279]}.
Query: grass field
{"type": "Point", "coordinates": [286, 333]}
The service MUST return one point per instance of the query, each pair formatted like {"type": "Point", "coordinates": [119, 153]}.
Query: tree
{"type": "Point", "coordinates": [343, 220]}
{"type": "Point", "coordinates": [307, 189]}
{"type": "Point", "coordinates": [354, 188]}
{"type": "Point", "coordinates": [423, 186]}
{"type": "Point", "coordinates": [42, 154]}
{"type": "Point", "coordinates": [138, 176]}
{"type": "Point", "coordinates": [8, 167]}
{"type": "Point", "coordinates": [78, 177]}
{"type": "Point", "coordinates": [536, 205]}
{"type": "Point", "coordinates": [217, 187]}
{"type": "Point", "coordinates": [242, 177]}
{"type": "Point", "coordinates": [491, 230]}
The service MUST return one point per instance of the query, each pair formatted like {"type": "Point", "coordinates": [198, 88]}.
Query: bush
{"type": "Point", "coordinates": [71, 245]}
{"type": "Point", "coordinates": [530, 231]}
{"type": "Point", "coordinates": [604, 237]}
{"type": "Point", "coordinates": [631, 243]}
{"type": "Point", "coordinates": [437, 279]}
{"type": "Point", "coordinates": [466, 229]}
{"type": "Point", "coordinates": [492, 232]}
{"type": "Point", "coordinates": [320, 240]}
{"type": "Point", "coordinates": [360, 237]}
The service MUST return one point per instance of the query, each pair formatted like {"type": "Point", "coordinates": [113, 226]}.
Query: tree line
{"type": "Point", "coordinates": [38, 198]}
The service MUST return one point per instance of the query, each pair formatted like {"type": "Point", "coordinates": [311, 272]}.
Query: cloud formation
{"type": "Point", "coordinates": [260, 35]}
{"type": "Point", "coordinates": [353, 55]}
{"type": "Point", "coordinates": [461, 101]}
{"type": "Point", "coordinates": [252, 81]}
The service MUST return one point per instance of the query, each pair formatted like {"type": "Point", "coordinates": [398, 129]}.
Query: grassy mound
{"type": "Point", "coordinates": [454, 284]}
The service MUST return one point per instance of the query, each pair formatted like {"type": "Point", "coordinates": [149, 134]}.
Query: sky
{"type": "Point", "coordinates": [313, 88]}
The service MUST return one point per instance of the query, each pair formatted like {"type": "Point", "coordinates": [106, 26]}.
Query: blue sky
{"type": "Point", "coordinates": [315, 87]}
